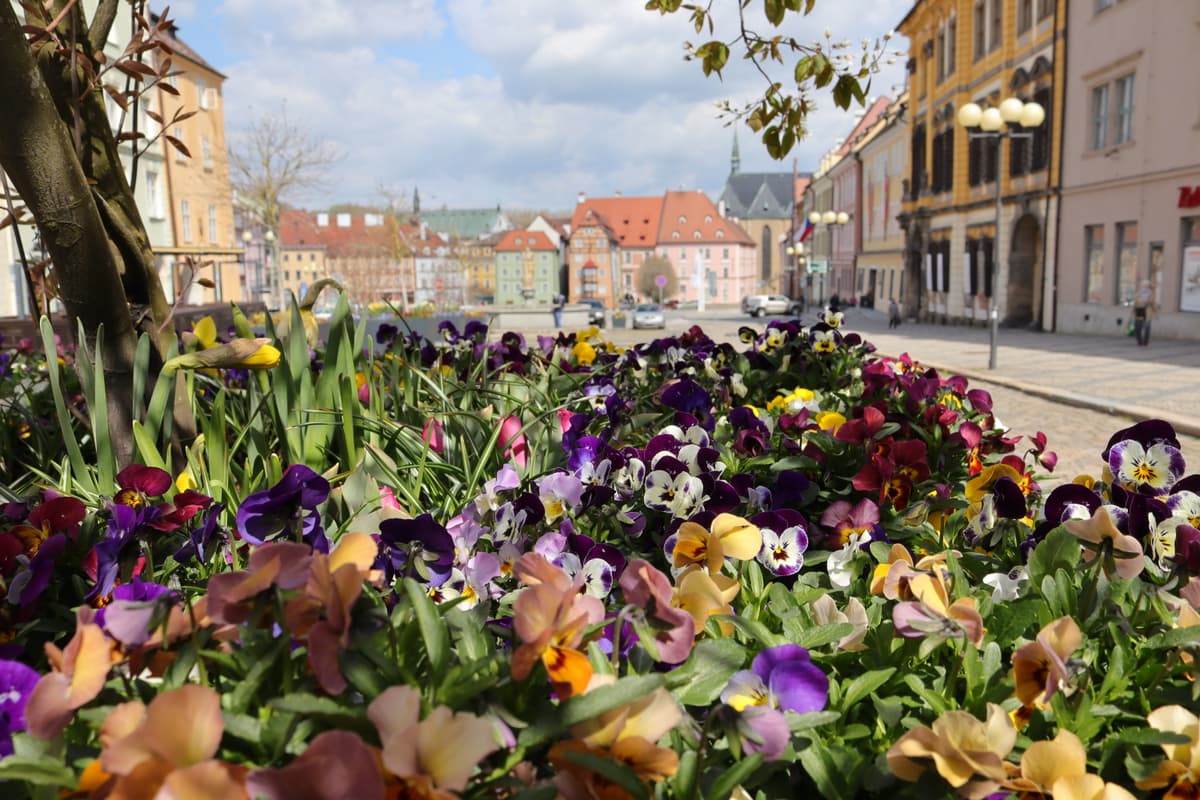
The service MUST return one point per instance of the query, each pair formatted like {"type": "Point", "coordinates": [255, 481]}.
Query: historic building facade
{"type": "Point", "coordinates": [883, 153]}
{"type": "Point", "coordinates": [1131, 166]}
{"type": "Point", "coordinates": [980, 51]}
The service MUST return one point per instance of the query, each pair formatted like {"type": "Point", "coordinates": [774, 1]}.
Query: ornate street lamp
{"type": "Point", "coordinates": [828, 219]}
{"type": "Point", "coordinates": [998, 123]}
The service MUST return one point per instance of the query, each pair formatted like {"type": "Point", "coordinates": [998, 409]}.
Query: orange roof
{"type": "Point", "coordinates": [300, 229]}
{"type": "Point", "coordinates": [694, 217]}
{"type": "Point", "coordinates": [518, 241]}
{"type": "Point", "coordinates": [631, 221]}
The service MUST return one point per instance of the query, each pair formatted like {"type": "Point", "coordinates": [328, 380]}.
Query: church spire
{"type": "Point", "coordinates": [416, 203]}
{"type": "Point", "coordinates": [735, 160]}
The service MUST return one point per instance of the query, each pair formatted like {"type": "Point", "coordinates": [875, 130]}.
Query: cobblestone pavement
{"type": "Point", "coordinates": [1076, 389]}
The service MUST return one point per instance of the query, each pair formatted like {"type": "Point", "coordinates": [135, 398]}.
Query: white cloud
{"type": "Point", "coordinates": [562, 97]}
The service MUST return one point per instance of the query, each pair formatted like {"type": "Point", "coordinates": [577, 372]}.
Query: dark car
{"type": "Point", "coordinates": [596, 311]}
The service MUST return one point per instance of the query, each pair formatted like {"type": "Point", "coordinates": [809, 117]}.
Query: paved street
{"type": "Point", "coordinates": [1076, 389]}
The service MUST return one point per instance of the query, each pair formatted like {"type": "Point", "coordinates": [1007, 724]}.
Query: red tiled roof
{"type": "Point", "coordinates": [632, 221]}
{"type": "Point", "coordinates": [300, 229]}
{"type": "Point", "coordinates": [695, 218]}
{"type": "Point", "coordinates": [518, 241]}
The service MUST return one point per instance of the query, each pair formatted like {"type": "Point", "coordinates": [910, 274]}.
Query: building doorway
{"type": "Point", "coordinates": [1022, 273]}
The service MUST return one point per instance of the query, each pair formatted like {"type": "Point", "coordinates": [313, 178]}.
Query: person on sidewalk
{"type": "Point", "coordinates": [559, 302]}
{"type": "Point", "coordinates": [1143, 312]}
{"type": "Point", "coordinates": [893, 313]}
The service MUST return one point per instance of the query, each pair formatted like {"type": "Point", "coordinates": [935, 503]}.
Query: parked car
{"type": "Point", "coordinates": [595, 311]}
{"type": "Point", "coordinates": [649, 315]}
{"type": "Point", "coordinates": [757, 305]}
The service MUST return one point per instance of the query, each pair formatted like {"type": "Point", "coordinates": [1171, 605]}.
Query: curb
{"type": "Point", "coordinates": [1136, 413]}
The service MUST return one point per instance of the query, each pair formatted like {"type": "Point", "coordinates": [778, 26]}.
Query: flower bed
{"type": "Point", "coordinates": [411, 568]}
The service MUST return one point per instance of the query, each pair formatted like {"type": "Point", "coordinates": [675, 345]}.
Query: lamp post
{"type": "Point", "coordinates": [829, 219]}
{"type": "Point", "coordinates": [252, 285]}
{"type": "Point", "coordinates": [998, 123]}
{"type": "Point", "coordinates": [273, 271]}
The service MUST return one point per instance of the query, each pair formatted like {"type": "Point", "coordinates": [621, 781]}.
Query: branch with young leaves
{"type": "Point", "coordinates": [779, 114]}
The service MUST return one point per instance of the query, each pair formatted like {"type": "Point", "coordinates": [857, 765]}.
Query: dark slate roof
{"type": "Point", "coordinates": [758, 195]}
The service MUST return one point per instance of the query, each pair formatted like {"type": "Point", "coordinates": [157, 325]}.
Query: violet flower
{"type": "Point", "coordinates": [16, 684]}
{"type": "Point", "coordinates": [782, 677]}
{"type": "Point", "coordinates": [421, 548]}
{"type": "Point", "coordinates": [289, 506]}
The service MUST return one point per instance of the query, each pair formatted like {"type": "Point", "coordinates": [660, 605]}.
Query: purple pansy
{"type": "Point", "coordinates": [421, 548]}
{"type": "Point", "coordinates": [16, 684]}
{"type": "Point", "coordinates": [198, 538]}
{"type": "Point", "coordinates": [137, 609]}
{"type": "Point", "coordinates": [782, 677]}
{"type": "Point", "coordinates": [288, 506]}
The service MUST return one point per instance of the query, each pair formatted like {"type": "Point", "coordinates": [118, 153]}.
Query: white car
{"type": "Point", "coordinates": [649, 315]}
{"type": "Point", "coordinates": [757, 305]}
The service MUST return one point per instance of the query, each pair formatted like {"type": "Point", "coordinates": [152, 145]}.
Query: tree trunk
{"type": "Point", "coordinates": [37, 152]}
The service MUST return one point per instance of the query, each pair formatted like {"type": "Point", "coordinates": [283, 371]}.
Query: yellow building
{"type": "Point", "coordinates": [478, 260]}
{"type": "Point", "coordinates": [198, 189]}
{"type": "Point", "coordinates": [980, 51]}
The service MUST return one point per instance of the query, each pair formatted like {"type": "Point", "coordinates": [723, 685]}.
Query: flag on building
{"type": "Point", "coordinates": [806, 232]}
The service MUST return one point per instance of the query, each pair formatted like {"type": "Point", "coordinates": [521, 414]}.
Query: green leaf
{"type": "Point", "coordinates": [812, 719]}
{"type": "Point", "coordinates": [433, 627]}
{"type": "Point", "coordinates": [733, 777]}
{"type": "Point", "coordinates": [1151, 736]}
{"type": "Point", "coordinates": [79, 470]}
{"type": "Point", "coordinates": [37, 771]}
{"type": "Point", "coordinates": [1176, 637]}
{"type": "Point", "coordinates": [864, 685]}
{"type": "Point", "coordinates": [700, 679]}
{"type": "Point", "coordinates": [614, 771]}
{"type": "Point", "coordinates": [314, 706]}
{"type": "Point", "coordinates": [1059, 550]}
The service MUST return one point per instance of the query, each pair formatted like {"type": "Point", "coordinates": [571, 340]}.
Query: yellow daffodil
{"type": "Point", "coordinates": [239, 353]}
{"type": "Point", "coordinates": [205, 331]}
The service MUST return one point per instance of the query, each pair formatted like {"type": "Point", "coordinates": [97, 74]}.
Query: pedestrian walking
{"type": "Point", "coordinates": [559, 302]}
{"type": "Point", "coordinates": [1144, 309]}
{"type": "Point", "coordinates": [893, 313]}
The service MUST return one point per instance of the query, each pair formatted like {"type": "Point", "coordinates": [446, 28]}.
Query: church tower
{"type": "Point", "coordinates": [735, 160]}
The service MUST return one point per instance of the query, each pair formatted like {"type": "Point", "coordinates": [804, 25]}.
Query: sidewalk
{"type": "Point", "coordinates": [1105, 373]}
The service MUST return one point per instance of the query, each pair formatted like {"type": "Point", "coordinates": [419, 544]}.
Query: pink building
{"type": "Point", "coordinates": [1131, 166]}
{"type": "Point", "coordinates": [706, 249]}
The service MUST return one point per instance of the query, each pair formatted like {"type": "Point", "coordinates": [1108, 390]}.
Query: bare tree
{"type": "Point", "coordinates": [650, 271]}
{"type": "Point", "coordinates": [275, 159]}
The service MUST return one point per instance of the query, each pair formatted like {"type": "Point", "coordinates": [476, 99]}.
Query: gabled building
{"type": "Point", "coordinates": [964, 51]}
{"type": "Point", "coordinates": [609, 239]}
{"type": "Point", "coordinates": [192, 192]}
{"type": "Point", "coordinates": [368, 254]}
{"type": "Point", "coordinates": [763, 204]}
{"type": "Point", "coordinates": [478, 260]}
{"type": "Point", "coordinates": [527, 268]}
{"type": "Point", "coordinates": [710, 253]}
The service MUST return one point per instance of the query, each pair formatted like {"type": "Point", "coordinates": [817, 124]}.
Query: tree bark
{"type": "Point", "coordinates": [37, 152]}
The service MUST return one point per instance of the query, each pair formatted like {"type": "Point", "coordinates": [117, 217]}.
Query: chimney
{"type": "Point", "coordinates": [616, 192]}
{"type": "Point", "coordinates": [582, 198]}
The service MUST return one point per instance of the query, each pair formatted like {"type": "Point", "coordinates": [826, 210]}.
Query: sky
{"type": "Point", "coordinates": [517, 103]}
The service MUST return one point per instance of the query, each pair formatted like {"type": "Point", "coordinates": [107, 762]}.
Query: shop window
{"type": "Point", "coordinates": [1093, 248]}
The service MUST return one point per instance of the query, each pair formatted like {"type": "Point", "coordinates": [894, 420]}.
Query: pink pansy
{"type": "Point", "coordinates": [1125, 557]}
{"type": "Point", "coordinates": [674, 630]}
{"type": "Point", "coordinates": [79, 673]}
{"type": "Point", "coordinates": [336, 764]}
{"type": "Point", "coordinates": [153, 755]}
{"type": "Point", "coordinates": [443, 749]}
{"type": "Point", "coordinates": [846, 520]}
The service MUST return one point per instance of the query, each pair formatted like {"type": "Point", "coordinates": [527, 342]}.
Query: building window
{"type": "Point", "coordinates": [1045, 9]}
{"type": "Point", "coordinates": [177, 134]}
{"type": "Point", "coordinates": [154, 195]}
{"type": "Point", "coordinates": [1024, 16]}
{"type": "Point", "coordinates": [212, 224]}
{"type": "Point", "coordinates": [206, 153]}
{"type": "Point", "coordinates": [1127, 247]}
{"type": "Point", "coordinates": [979, 30]}
{"type": "Point", "coordinates": [202, 93]}
{"type": "Point", "coordinates": [918, 159]}
{"type": "Point", "coordinates": [1093, 248]}
{"type": "Point", "coordinates": [939, 53]}
{"type": "Point", "coordinates": [1123, 124]}
{"type": "Point", "coordinates": [997, 24]}
{"type": "Point", "coordinates": [1099, 137]}
{"type": "Point", "coordinates": [1040, 143]}
{"type": "Point", "coordinates": [951, 45]}
{"type": "Point", "coordinates": [943, 161]}
{"type": "Point", "coordinates": [185, 220]}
